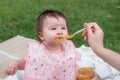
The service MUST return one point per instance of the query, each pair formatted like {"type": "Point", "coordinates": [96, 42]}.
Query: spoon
{"type": "Point", "coordinates": [59, 40]}
{"type": "Point", "coordinates": [71, 36]}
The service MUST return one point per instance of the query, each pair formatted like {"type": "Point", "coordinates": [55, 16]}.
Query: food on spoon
{"type": "Point", "coordinates": [67, 37]}
{"type": "Point", "coordinates": [61, 39]}
{"type": "Point", "coordinates": [70, 36]}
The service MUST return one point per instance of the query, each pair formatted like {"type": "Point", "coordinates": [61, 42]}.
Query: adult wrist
{"type": "Point", "coordinates": [98, 49]}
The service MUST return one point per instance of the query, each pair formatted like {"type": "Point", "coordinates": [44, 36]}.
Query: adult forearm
{"type": "Point", "coordinates": [110, 57]}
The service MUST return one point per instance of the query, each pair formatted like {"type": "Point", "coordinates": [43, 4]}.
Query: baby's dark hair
{"type": "Point", "coordinates": [48, 13]}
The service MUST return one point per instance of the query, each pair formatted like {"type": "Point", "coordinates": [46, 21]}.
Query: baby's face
{"type": "Point", "coordinates": [54, 27]}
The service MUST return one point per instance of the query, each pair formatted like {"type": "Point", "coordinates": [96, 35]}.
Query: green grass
{"type": "Point", "coordinates": [18, 17]}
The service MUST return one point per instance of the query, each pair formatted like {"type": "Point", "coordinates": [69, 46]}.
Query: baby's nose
{"type": "Point", "coordinates": [59, 33]}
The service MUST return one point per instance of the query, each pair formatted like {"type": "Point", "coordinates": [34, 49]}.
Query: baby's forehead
{"type": "Point", "coordinates": [54, 17]}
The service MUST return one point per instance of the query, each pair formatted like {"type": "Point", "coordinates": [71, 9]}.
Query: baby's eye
{"type": "Point", "coordinates": [53, 28]}
{"type": "Point", "coordinates": [63, 28]}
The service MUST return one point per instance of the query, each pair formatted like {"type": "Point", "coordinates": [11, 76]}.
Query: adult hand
{"type": "Point", "coordinates": [94, 35]}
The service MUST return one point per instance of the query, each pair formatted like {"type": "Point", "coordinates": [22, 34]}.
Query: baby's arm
{"type": "Point", "coordinates": [21, 64]}
{"type": "Point", "coordinates": [14, 66]}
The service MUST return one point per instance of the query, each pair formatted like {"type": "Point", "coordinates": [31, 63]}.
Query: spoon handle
{"type": "Point", "coordinates": [81, 30]}
{"type": "Point", "coordinates": [71, 36]}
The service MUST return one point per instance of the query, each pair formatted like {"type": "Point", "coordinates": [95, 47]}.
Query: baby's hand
{"type": "Point", "coordinates": [12, 68]}
{"type": "Point", "coordinates": [96, 77]}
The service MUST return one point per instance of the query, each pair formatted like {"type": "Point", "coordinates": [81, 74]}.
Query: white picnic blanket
{"type": "Point", "coordinates": [88, 58]}
{"type": "Point", "coordinates": [104, 70]}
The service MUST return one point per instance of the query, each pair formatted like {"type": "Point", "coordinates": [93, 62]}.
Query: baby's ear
{"type": "Point", "coordinates": [40, 35]}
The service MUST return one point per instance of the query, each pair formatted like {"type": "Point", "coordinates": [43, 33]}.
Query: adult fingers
{"type": "Point", "coordinates": [90, 31]}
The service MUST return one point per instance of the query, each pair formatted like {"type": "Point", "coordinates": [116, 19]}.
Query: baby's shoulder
{"type": "Point", "coordinates": [33, 44]}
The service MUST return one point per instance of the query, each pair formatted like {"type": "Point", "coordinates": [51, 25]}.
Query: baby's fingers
{"type": "Point", "coordinates": [10, 71]}
{"type": "Point", "coordinates": [13, 71]}
{"type": "Point", "coordinates": [96, 77]}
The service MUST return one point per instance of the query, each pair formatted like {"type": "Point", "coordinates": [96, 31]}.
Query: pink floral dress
{"type": "Point", "coordinates": [42, 64]}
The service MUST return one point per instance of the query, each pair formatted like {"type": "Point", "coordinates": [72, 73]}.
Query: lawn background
{"type": "Point", "coordinates": [18, 17]}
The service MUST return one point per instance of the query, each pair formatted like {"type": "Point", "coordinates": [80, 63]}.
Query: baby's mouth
{"type": "Point", "coordinates": [59, 39]}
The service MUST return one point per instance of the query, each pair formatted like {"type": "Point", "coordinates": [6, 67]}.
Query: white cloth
{"type": "Point", "coordinates": [104, 70]}
{"type": "Point", "coordinates": [18, 76]}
